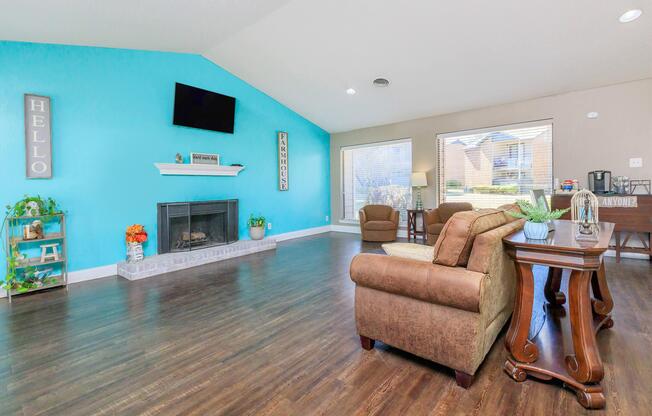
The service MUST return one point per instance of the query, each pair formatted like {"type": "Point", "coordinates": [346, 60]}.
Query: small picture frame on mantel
{"type": "Point", "coordinates": [204, 158]}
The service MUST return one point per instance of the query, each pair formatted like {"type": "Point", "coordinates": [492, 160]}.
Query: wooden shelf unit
{"type": "Point", "coordinates": [14, 238]}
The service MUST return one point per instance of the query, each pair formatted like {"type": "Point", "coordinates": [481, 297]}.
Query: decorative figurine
{"type": "Point", "coordinates": [584, 213]}
{"type": "Point", "coordinates": [178, 158]}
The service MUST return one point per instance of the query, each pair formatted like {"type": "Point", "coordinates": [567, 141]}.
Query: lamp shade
{"type": "Point", "coordinates": [419, 179]}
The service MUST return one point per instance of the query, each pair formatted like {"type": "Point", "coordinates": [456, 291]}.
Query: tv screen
{"type": "Point", "coordinates": [195, 107]}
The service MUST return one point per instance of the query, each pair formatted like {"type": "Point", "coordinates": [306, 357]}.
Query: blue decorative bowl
{"type": "Point", "coordinates": [535, 230]}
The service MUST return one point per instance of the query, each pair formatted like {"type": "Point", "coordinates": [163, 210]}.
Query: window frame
{"type": "Point", "coordinates": [343, 218]}
{"type": "Point", "coordinates": [500, 127]}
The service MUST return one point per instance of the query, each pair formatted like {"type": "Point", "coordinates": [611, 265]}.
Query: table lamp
{"type": "Point", "coordinates": [419, 180]}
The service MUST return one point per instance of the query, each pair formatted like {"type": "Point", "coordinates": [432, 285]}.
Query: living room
{"type": "Point", "coordinates": [295, 207]}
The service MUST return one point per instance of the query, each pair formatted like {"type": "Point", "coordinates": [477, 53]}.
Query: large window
{"type": "Point", "coordinates": [492, 167]}
{"type": "Point", "coordinates": [378, 173]}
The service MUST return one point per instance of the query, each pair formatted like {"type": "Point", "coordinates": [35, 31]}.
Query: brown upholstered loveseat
{"type": "Point", "coordinates": [378, 223]}
{"type": "Point", "coordinates": [435, 219]}
{"type": "Point", "coordinates": [448, 310]}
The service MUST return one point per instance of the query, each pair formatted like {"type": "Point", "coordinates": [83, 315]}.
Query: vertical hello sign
{"type": "Point", "coordinates": [38, 137]}
{"type": "Point", "coordinates": [283, 168]}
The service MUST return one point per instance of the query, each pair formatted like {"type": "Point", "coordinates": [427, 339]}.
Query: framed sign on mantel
{"type": "Point", "coordinates": [283, 167]}
{"type": "Point", "coordinates": [38, 137]}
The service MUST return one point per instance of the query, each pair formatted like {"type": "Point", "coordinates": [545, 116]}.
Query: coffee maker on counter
{"type": "Point", "coordinates": [600, 181]}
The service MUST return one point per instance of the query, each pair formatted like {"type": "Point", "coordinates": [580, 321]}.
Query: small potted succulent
{"type": "Point", "coordinates": [537, 218]}
{"type": "Point", "coordinates": [256, 227]}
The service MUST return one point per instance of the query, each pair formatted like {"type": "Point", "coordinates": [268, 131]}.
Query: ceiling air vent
{"type": "Point", "coordinates": [381, 82]}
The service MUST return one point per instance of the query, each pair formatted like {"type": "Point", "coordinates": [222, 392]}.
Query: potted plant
{"type": "Point", "coordinates": [537, 218]}
{"type": "Point", "coordinates": [256, 227]}
{"type": "Point", "coordinates": [135, 237]}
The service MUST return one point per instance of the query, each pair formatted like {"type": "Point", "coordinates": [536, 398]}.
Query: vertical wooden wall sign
{"type": "Point", "coordinates": [38, 137]}
{"type": "Point", "coordinates": [283, 168]}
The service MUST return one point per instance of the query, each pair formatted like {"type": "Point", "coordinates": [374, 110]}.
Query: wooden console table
{"type": "Point", "coordinates": [565, 346]}
{"type": "Point", "coordinates": [412, 229]}
{"type": "Point", "coordinates": [630, 221]}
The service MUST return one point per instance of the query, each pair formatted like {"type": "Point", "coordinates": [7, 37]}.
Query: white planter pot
{"type": "Point", "coordinates": [535, 230]}
{"type": "Point", "coordinates": [257, 233]}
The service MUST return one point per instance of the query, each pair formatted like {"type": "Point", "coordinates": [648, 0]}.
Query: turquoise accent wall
{"type": "Point", "coordinates": [112, 120]}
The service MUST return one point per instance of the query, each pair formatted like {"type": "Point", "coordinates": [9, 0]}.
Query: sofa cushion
{"type": "Point", "coordinates": [455, 242]}
{"type": "Point", "coordinates": [435, 228]}
{"type": "Point", "coordinates": [507, 208]}
{"type": "Point", "coordinates": [379, 225]}
{"type": "Point", "coordinates": [447, 209]}
{"type": "Point", "coordinates": [450, 286]}
{"type": "Point", "coordinates": [378, 212]}
{"type": "Point", "coordinates": [410, 251]}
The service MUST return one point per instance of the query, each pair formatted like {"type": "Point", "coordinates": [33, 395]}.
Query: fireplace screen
{"type": "Point", "coordinates": [194, 225]}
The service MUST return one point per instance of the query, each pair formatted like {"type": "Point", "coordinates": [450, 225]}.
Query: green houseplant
{"type": "Point", "coordinates": [536, 216]}
{"type": "Point", "coordinates": [256, 227]}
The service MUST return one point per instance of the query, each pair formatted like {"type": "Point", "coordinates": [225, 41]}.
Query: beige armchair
{"type": "Point", "coordinates": [449, 309]}
{"type": "Point", "coordinates": [378, 223]}
{"type": "Point", "coordinates": [435, 219]}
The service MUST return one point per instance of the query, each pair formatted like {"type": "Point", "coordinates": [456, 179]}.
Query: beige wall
{"type": "Point", "coordinates": [623, 130]}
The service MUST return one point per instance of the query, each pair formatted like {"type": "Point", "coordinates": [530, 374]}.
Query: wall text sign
{"type": "Point", "coordinates": [38, 137]}
{"type": "Point", "coordinates": [283, 169]}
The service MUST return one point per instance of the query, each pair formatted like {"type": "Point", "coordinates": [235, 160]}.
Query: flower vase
{"type": "Point", "coordinates": [135, 252]}
{"type": "Point", "coordinates": [535, 230]}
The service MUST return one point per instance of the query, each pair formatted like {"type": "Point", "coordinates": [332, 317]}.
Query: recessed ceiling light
{"type": "Point", "coordinates": [630, 15]}
{"type": "Point", "coordinates": [381, 82]}
{"type": "Point", "coordinates": [350, 91]}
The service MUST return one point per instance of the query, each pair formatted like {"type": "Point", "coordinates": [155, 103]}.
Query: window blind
{"type": "Point", "coordinates": [377, 173]}
{"type": "Point", "coordinates": [496, 166]}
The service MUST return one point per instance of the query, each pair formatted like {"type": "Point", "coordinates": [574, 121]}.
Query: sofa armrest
{"type": "Point", "coordinates": [450, 286]}
{"type": "Point", "coordinates": [394, 217]}
{"type": "Point", "coordinates": [431, 216]}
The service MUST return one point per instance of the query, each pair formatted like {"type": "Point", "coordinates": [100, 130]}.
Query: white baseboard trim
{"type": "Point", "coordinates": [301, 233]}
{"type": "Point", "coordinates": [355, 229]}
{"type": "Point", "coordinates": [92, 273]}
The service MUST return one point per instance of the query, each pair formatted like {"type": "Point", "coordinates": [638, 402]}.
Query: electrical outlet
{"type": "Point", "coordinates": [327, 218]}
{"type": "Point", "coordinates": [636, 162]}
{"type": "Point", "coordinates": [269, 225]}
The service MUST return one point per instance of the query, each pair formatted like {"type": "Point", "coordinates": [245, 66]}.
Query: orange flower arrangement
{"type": "Point", "coordinates": [136, 234]}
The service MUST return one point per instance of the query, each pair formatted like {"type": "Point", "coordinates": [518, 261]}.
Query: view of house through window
{"type": "Point", "coordinates": [377, 174]}
{"type": "Point", "coordinates": [492, 167]}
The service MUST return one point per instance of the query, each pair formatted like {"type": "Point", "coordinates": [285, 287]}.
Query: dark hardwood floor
{"type": "Point", "coordinates": [274, 333]}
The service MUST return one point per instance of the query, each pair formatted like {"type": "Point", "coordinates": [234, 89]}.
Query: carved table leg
{"type": "Point", "coordinates": [585, 365]}
{"type": "Point", "coordinates": [553, 295]}
{"type": "Point", "coordinates": [517, 342]}
{"type": "Point", "coordinates": [603, 303]}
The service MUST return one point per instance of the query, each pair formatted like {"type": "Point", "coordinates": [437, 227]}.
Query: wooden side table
{"type": "Point", "coordinates": [565, 346]}
{"type": "Point", "coordinates": [412, 229]}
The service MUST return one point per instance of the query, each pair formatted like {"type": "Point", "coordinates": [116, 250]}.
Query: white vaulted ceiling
{"type": "Point", "coordinates": [441, 56]}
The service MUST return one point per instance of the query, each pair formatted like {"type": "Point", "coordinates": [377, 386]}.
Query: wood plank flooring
{"type": "Point", "coordinates": [273, 333]}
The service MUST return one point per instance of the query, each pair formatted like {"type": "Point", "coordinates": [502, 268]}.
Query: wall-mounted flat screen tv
{"type": "Point", "coordinates": [202, 109]}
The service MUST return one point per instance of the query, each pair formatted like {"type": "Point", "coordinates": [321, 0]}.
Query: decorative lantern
{"type": "Point", "coordinates": [584, 213]}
